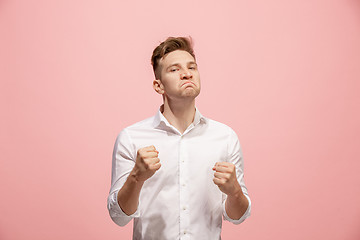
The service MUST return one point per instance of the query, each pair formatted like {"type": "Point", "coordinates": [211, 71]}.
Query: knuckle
{"type": "Point", "coordinates": [146, 162]}
{"type": "Point", "coordinates": [155, 167]}
{"type": "Point", "coordinates": [141, 151]}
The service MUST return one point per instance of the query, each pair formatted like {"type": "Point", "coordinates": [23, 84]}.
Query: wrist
{"type": "Point", "coordinates": [237, 198]}
{"type": "Point", "coordinates": [134, 176]}
{"type": "Point", "coordinates": [237, 194]}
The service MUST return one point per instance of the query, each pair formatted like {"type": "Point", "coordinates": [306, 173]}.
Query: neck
{"type": "Point", "coordinates": [179, 114]}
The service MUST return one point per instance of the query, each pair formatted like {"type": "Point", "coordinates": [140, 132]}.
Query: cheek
{"type": "Point", "coordinates": [170, 84]}
{"type": "Point", "coordinates": [197, 76]}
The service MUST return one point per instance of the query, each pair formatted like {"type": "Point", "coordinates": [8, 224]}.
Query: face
{"type": "Point", "coordinates": [178, 76]}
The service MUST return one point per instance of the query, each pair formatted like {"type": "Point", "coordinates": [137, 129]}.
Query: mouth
{"type": "Point", "coordinates": [187, 83]}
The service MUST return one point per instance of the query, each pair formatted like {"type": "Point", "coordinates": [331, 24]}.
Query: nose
{"type": "Point", "coordinates": [186, 74]}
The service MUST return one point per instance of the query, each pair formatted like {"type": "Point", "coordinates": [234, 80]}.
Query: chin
{"type": "Point", "coordinates": [193, 94]}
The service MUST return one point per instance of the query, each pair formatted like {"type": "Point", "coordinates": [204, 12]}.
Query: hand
{"type": "Point", "coordinates": [147, 163]}
{"type": "Point", "coordinates": [225, 178]}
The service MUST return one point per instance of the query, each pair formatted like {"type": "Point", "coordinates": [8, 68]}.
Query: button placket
{"type": "Point", "coordinates": [184, 196]}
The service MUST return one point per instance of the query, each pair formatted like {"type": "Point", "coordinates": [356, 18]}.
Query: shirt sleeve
{"type": "Point", "coordinates": [236, 157]}
{"type": "Point", "coordinates": [123, 161]}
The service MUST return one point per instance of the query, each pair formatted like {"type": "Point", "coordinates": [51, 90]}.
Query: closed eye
{"type": "Point", "coordinates": [192, 66]}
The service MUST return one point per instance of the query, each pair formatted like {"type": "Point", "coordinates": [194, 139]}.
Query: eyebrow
{"type": "Point", "coordinates": [178, 64]}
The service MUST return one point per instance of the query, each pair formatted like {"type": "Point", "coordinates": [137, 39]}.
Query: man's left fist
{"type": "Point", "coordinates": [225, 178]}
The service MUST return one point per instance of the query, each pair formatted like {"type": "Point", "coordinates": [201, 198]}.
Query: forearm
{"type": "Point", "coordinates": [147, 163]}
{"type": "Point", "coordinates": [128, 196]}
{"type": "Point", "coordinates": [236, 205]}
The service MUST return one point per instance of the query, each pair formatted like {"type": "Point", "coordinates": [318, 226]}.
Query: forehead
{"type": "Point", "coordinates": [177, 56]}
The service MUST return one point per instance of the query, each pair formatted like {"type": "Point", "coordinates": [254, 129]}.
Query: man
{"type": "Point", "coordinates": [177, 173]}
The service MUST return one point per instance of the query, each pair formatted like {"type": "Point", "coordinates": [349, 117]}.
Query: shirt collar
{"type": "Point", "coordinates": [160, 120]}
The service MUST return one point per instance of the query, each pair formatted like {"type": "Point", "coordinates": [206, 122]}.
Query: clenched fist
{"type": "Point", "coordinates": [147, 163]}
{"type": "Point", "coordinates": [225, 178]}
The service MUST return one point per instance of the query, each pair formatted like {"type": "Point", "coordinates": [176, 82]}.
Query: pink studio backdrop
{"type": "Point", "coordinates": [283, 74]}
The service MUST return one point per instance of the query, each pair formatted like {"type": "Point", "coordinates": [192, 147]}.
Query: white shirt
{"type": "Point", "coordinates": [180, 201]}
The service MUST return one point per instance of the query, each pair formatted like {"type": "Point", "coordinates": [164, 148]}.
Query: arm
{"type": "Point", "coordinates": [124, 166]}
{"type": "Point", "coordinates": [236, 206]}
{"type": "Point", "coordinates": [147, 163]}
{"type": "Point", "coordinates": [128, 195]}
{"type": "Point", "coordinates": [225, 177]}
{"type": "Point", "coordinates": [229, 177]}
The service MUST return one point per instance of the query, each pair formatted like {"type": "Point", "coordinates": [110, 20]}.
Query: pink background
{"type": "Point", "coordinates": [283, 74]}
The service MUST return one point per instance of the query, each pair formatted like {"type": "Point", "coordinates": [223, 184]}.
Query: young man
{"type": "Point", "coordinates": [177, 173]}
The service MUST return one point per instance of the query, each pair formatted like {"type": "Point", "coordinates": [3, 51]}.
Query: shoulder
{"type": "Point", "coordinates": [140, 126]}
{"type": "Point", "coordinates": [218, 126]}
{"type": "Point", "coordinates": [146, 123]}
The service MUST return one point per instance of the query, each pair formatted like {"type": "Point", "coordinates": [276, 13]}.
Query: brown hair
{"type": "Point", "coordinates": [169, 45]}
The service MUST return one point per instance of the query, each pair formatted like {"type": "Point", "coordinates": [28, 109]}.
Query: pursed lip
{"type": "Point", "coordinates": [187, 83]}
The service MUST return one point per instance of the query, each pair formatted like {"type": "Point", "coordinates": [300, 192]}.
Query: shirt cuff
{"type": "Point", "coordinates": [117, 214]}
{"type": "Point", "coordinates": [243, 217]}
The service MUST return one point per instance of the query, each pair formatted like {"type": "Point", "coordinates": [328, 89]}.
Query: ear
{"type": "Point", "coordinates": [158, 86]}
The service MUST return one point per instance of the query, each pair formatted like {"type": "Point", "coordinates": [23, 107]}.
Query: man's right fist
{"type": "Point", "coordinates": [147, 163]}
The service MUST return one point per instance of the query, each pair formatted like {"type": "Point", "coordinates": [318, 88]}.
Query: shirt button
{"type": "Point", "coordinates": [184, 231]}
{"type": "Point", "coordinates": [183, 185]}
{"type": "Point", "coordinates": [184, 208]}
